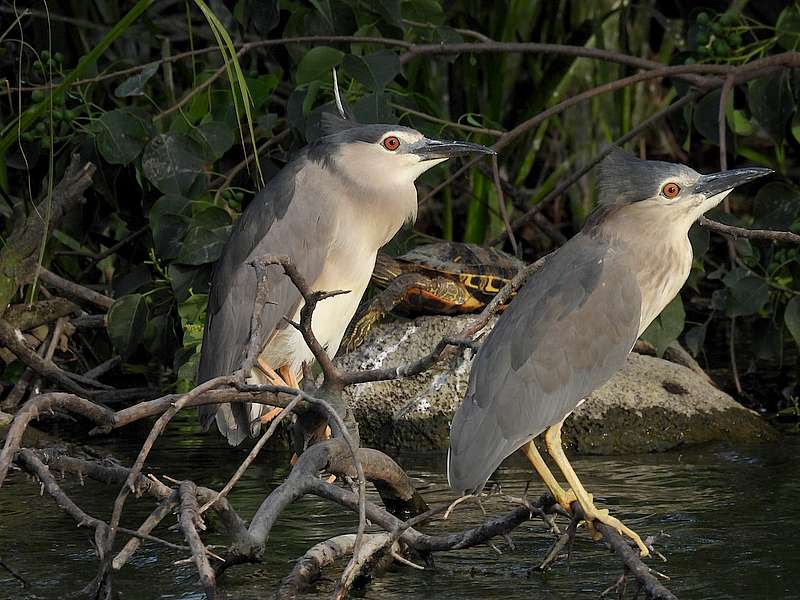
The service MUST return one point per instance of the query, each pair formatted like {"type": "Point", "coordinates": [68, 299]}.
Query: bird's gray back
{"type": "Point", "coordinates": [285, 218]}
{"type": "Point", "coordinates": [567, 332]}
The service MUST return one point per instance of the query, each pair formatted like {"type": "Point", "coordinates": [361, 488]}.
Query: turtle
{"type": "Point", "coordinates": [443, 278]}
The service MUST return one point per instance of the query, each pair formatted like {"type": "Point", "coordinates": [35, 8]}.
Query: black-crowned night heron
{"type": "Point", "coordinates": [329, 210]}
{"type": "Point", "coordinates": [573, 324]}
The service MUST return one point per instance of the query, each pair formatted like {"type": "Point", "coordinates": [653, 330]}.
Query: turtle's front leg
{"type": "Point", "coordinates": [396, 293]}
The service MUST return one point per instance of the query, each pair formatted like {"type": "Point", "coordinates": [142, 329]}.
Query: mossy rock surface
{"type": "Point", "coordinates": [650, 405]}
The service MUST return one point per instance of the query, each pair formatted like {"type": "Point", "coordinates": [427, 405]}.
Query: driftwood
{"type": "Point", "coordinates": [402, 542]}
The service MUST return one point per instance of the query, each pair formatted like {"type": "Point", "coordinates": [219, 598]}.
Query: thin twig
{"type": "Point", "coordinates": [253, 452]}
{"type": "Point", "coordinates": [224, 182]}
{"type": "Point", "coordinates": [112, 250]}
{"type": "Point", "coordinates": [576, 176]}
{"type": "Point", "coordinates": [451, 124]}
{"type": "Point", "coordinates": [155, 432]}
{"type": "Point", "coordinates": [750, 234]}
{"type": "Point", "coordinates": [501, 201]}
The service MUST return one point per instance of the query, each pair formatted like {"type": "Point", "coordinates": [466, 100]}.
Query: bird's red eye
{"type": "Point", "coordinates": [670, 190]}
{"type": "Point", "coordinates": [391, 143]}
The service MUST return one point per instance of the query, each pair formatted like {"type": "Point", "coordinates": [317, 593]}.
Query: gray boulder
{"type": "Point", "coordinates": [650, 405]}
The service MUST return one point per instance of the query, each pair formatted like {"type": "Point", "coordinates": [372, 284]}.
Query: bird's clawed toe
{"type": "Point", "coordinates": [603, 516]}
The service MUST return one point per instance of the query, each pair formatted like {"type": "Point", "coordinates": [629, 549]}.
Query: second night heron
{"type": "Point", "coordinates": [573, 324]}
{"type": "Point", "coordinates": [329, 210]}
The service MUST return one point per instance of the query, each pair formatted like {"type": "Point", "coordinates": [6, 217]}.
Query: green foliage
{"type": "Point", "coordinates": [127, 319]}
{"type": "Point", "coordinates": [121, 135]}
{"type": "Point", "coordinates": [666, 328]}
{"type": "Point", "coordinates": [174, 141]}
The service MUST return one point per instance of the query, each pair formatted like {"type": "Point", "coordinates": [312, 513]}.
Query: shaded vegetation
{"type": "Point", "coordinates": [173, 100]}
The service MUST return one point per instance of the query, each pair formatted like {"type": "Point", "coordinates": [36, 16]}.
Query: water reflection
{"type": "Point", "coordinates": [729, 514]}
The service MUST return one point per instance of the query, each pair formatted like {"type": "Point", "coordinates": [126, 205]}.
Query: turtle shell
{"type": "Point", "coordinates": [484, 271]}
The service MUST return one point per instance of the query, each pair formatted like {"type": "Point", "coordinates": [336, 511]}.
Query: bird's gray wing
{"type": "Point", "coordinates": [566, 333]}
{"type": "Point", "coordinates": [281, 220]}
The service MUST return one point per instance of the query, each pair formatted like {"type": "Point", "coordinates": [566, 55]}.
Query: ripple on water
{"type": "Point", "coordinates": [727, 514]}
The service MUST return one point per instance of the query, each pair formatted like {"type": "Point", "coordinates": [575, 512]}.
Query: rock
{"type": "Point", "coordinates": [650, 405]}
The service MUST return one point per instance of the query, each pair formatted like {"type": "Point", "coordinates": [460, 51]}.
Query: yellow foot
{"type": "Point", "coordinates": [603, 516]}
{"type": "Point", "coordinates": [593, 514]}
{"type": "Point", "coordinates": [565, 499]}
{"type": "Point", "coordinates": [269, 415]}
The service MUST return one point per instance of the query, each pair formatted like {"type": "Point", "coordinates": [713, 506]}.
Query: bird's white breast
{"type": "Point", "coordinates": [365, 220]}
{"type": "Point", "coordinates": [663, 276]}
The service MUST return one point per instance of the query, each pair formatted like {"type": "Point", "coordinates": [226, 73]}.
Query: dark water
{"type": "Point", "coordinates": [731, 515]}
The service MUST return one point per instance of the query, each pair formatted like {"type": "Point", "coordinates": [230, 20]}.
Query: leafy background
{"type": "Point", "coordinates": [174, 141]}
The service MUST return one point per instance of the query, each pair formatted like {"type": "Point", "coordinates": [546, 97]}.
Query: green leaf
{"type": "Point", "coordinates": [317, 64]}
{"type": "Point", "coordinates": [193, 310]}
{"type": "Point", "coordinates": [740, 124]}
{"type": "Point", "coordinates": [423, 10]}
{"type": "Point", "coordinates": [202, 245]}
{"type": "Point", "coordinates": [187, 373]}
{"type": "Point", "coordinates": [121, 135]}
{"type": "Point", "coordinates": [700, 239]}
{"type": "Point", "coordinates": [215, 138]}
{"type": "Point", "coordinates": [748, 294]}
{"type": "Point", "coordinates": [771, 102]}
{"type": "Point", "coordinates": [210, 216]}
{"type": "Point", "coordinates": [126, 322]}
{"type": "Point", "coordinates": [695, 338]}
{"type": "Point", "coordinates": [263, 14]}
{"type": "Point", "coordinates": [796, 127]}
{"type": "Point", "coordinates": [776, 206]}
{"type": "Point", "coordinates": [172, 162]}
{"type": "Point", "coordinates": [261, 89]}
{"type": "Point", "coordinates": [666, 328]}
{"type": "Point", "coordinates": [706, 117]}
{"type": "Point", "coordinates": [791, 316]}
{"type": "Point", "coordinates": [170, 218]}
{"type": "Point", "coordinates": [134, 86]}
{"type": "Point", "coordinates": [159, 338]}
{"type": "Point", "coordinates": [788, 27]}
{"type": "Point", "coordinates": [373, 108]}
{"type": "Point", "coordinates": [390, 11]}
{"type": "Point", "coordinates": [375, 70]}
{"type": "Point", "coordinates": [187, 280]}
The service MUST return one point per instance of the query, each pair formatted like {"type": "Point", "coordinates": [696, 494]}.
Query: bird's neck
{"type": "Point", "coordinates": [383, 207]}
{"type": "Point", "coordinates": [662, 254]}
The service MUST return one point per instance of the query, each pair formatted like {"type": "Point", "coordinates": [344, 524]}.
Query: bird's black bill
{"type": "Point", "coordinates": [716, 183]}
{"type": "Point", "coordinates": [433, 149]}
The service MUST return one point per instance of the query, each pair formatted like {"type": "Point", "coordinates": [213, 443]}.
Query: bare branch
{"type": "Point", "coordinates": [164, 508]}
{"type": "Point", "coordinates": [253, 454]}
{"type": "Point", "coordinates": [75, 290]}
{"type": "Point", "coordinates": [190, 521]}
{"type": "Point", "coordinates": [12, 339]}
{"type": "Point", "coordinates": [39, 404]}
{"type": "Point", "coordinates": [28, 316]}
{"type": "Point", "coordinates": [750, 234]}
{"type": "Point", "coordinates": [310, 298]}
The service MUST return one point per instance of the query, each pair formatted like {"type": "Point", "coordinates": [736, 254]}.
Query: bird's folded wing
{"type": "Point", "coordinates": [277, 222]}
{"type": "Point", "coordinates": [567, 332]}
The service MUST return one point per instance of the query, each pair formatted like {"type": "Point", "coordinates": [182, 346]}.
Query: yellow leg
{"type": "Point", "coordinates": [274, 379]}
{"type": "Point", "coordinates": [553, 441]}
{"type": "Point", "coordinates": [272, 376]}
{"type": "Point", "coordinates": [288, 376]}
{"type": "Point", "coordinates": [531, 452]}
